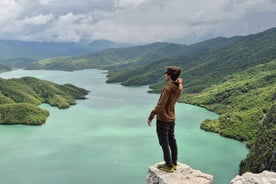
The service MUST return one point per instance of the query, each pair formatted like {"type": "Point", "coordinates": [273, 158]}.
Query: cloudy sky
{"type": "Point", "coordinates": [133, 21]}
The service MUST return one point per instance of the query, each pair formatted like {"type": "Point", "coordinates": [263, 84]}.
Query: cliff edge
{"type": "Point", "coordinates": [183, 174]}
{"type": "Point", "coordinates": [265, 177]}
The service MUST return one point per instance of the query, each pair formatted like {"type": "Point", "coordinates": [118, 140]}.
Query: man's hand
{"type": "Point", "coordinates": [179, 80]}
{"type": "Point", "coordinates": [149, 122]}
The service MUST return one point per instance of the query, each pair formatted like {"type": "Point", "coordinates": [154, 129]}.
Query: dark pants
{"type": "Point", "coordinates": [167, 141]}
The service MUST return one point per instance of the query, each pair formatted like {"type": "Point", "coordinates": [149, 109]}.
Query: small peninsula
{"type": "Point", "coordinates": [19, 99]}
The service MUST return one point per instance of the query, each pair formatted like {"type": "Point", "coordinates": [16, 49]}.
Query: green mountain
{"type": "Point", "coordinates": [108, 57]}
{"type": "Point", "coordinates": [19, 99]}
{"type": "Point", "coordinates": [20, 54]}
{"type": "Point", "coordinates": [15, 63]}
{"type": "Point", "coordinates": [204, 68]}
{"type": "Point", "coordinates": [122, 58]}
{"type": "Point", "coordinates": [210, 61]}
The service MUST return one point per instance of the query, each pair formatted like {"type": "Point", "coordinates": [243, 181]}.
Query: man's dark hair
{"type": "Point", "coordinates": [174, 72]}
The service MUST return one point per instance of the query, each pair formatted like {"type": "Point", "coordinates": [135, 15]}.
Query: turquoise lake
{"type": "Point", "coordinates": [105, 138]}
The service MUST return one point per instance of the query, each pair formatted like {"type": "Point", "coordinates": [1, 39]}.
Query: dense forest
{"type": "Point", "coordinates": [263, 152]}
{"type": "Point", "coordinates": [19, 99]}
{"type": "Point", "coordinates": [234, 77]}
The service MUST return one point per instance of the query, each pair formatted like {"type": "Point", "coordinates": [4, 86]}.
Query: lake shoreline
{"type": "Point", "coordinates": [116, 115]}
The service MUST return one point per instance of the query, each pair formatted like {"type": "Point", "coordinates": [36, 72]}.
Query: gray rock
{"type": "Point", "coordinates": [183, 175]}
{"type": "Point", "coordinates": [265, 177]}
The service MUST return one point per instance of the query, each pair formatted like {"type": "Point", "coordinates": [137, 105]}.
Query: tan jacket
{"type": "Point", "coordinates": [164, 109]}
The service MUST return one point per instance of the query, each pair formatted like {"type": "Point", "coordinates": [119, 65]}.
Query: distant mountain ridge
{"type": "Point", "coordinates": [42, 50]}
{"type": "Point", "coordinates": [14, 63]}
{"type": "Point", "coordinates": [131, 56]}
{"type": "Point", "coordinates": [212, 60]}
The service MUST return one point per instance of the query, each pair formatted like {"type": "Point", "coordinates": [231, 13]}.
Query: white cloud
{"type": "Point", "coordinates": [67, 27]}
{"type": "Point", "coordinates": [39, 19]}
{"type": "Point", "coordinates": [130, 3]}
{"type": "Point", "coordinates": [47, 2]}
{"type": "Point", "coordinates": [134, 20]}
{"type": "Point", "coordinates": [9, 11]}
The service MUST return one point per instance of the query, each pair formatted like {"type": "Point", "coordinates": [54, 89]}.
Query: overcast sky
{"type": "Point", "coordinates": [133, 21]}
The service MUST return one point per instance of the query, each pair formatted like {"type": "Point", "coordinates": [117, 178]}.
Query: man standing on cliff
{"type": "Point", "coordinates": [165, 115]}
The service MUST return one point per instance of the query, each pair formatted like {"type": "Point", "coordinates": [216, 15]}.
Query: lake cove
{"type": "Point", "coordinates": [105, 138]}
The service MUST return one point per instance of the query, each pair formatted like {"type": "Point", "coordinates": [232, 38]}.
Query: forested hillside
{"type": "Point", "coordinates": [241, 100]}
{"type": "Point", "coordinates": [244, 101]}
{"type": "Point", "coordinates": [202, 69]}
{"type": "Point", "coordinates": [19, 99]}
{"type": "Point", "coordinates": [263, 151]}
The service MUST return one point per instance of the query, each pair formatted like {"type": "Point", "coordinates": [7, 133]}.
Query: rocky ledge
{"type": "Point", "coordinates": [183, 175]}
{"type": "Point", "coordinates": [265, 177]}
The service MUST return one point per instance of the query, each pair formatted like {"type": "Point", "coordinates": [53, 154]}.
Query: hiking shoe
{"type": "Point", "coordinates": [174, 167]}
{"type": "Point", "coordinates": [164, 167]}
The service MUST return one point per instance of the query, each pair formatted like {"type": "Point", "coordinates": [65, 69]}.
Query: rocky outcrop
{"type": "Point", "coordinates": [265, 177]}
{"type": "Point", "coordinates": [183, 175]}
